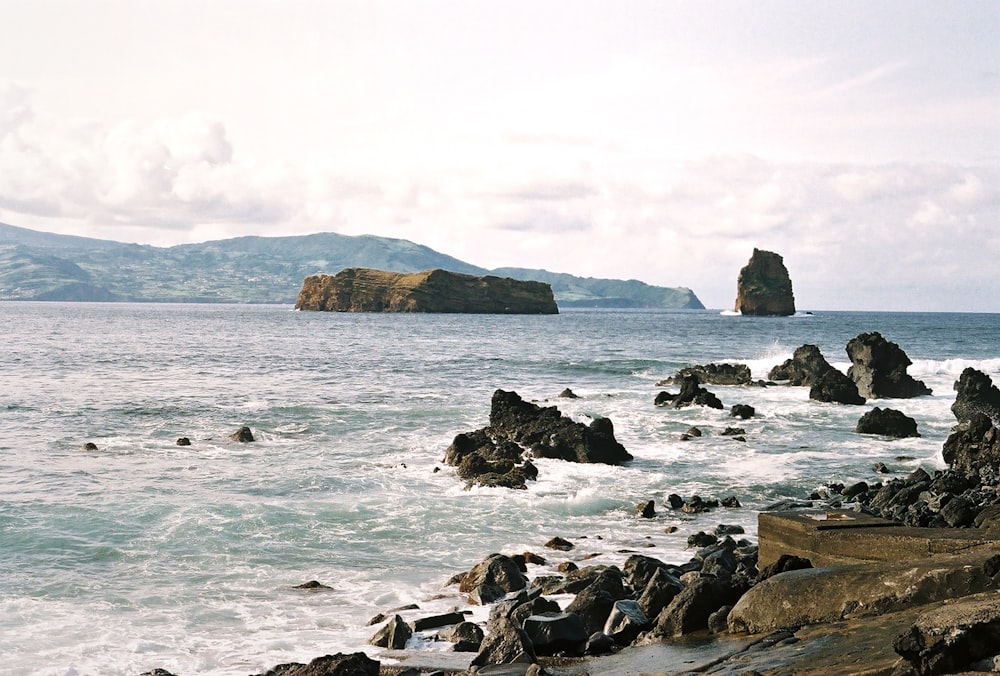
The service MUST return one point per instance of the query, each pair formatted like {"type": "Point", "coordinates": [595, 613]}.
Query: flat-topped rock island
{"type": "Point", "coordinates": [366, 290]}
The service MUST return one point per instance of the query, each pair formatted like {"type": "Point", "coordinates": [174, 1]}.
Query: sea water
{"type": "Point", "coordinates": [145, 554]}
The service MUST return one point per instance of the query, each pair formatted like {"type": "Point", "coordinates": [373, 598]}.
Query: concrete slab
{"type": "Point", "coordinates": [836, 537]}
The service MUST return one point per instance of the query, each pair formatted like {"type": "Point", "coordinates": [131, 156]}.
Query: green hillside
{"type": "Point", "coordinates": [43, 266]}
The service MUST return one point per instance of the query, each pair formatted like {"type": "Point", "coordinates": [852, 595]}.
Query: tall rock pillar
{"type": "Point", "coordinates": [764, 288]}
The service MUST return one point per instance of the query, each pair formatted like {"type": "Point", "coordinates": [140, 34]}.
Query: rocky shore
{"type": "Point", "coordinates": [890, 577]}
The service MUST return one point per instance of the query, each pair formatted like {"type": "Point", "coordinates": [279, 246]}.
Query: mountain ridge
{"type": "Point", "coordinates": [37, 265]}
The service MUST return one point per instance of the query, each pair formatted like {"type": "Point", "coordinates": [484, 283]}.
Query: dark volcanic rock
{"type": "Point", "coordinates": [492, 578]}
{"type": "Point", "coordinates": [784, 563]}
{"type": "Point", "coordinates": [496, 456]}
{"type": "Point", "coordinates": [879, 367]}
{"type": "Point", "coordinates": [394, 634]}
{"type": "Point", "coordinates": [467, 637]}
{"type": "Point", "coordinates": [355, 664]}
{"type": "Point", "coordinates": [743, 411]}
{"type": "Point", "coordinates": [689, 611]}
{"type": "Point", "coordinates": [713, 374]}
{"type": "Point", "coordinates": [549, 434]}
{"type": "Point", "coordinates": [974, 446]}
{"type": "Point", "coordinates": [594, 603]}
{"type": "Point", "coordinates": [242, 435]}
{"type": "Point", "coordinates": [976, 394]}
{"type": "Point", "coordinates": [555, 633]}
{"type": "Point", "coordinates": [764, 287]}
{"type": "Point", "coordinates": [626, 621]}
{"type": "Point", "coordinates": [887, 422]}
{"type": "Point", "coordinates": [691, 394]}
{"type": "Point", "coordinates": [365, 290]}
{"type": "Point", "coordinates": [505, 644]}
{"type": "Point", "coordinates": [834, 386]}
{"type": "Point", "coordinates": [183, 441]}
{"type": "Point", "coordinates": [806, 367]}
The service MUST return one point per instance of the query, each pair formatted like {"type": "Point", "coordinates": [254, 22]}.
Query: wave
{"type": "Point", "coordinates": [953, 367]}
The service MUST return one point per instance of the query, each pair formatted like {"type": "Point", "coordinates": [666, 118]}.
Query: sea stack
{"type": "Point", "coordinates": [764, 288]}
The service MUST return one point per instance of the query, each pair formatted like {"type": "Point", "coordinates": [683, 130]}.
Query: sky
{"type": "Point", "coordinates": [656, 140]}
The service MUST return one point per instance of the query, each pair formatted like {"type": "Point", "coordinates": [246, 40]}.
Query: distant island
{"type": "Point", "coordinates": [366, 290]}
{"type": "Point", "coordinates": [43, 266]}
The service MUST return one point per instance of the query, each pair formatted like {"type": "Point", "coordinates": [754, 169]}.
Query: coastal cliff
{"type": "Point", "coordinates": [365, 290]}
{"type": "Point", "coordinates": [764, 288]}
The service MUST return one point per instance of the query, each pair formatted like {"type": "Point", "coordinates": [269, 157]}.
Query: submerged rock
{"type": "Point", "coordinates": [712, 374]}
{"type": "Point", "coordinates": [691, 394]}
{"type": "Point", "coordinates": [242, 435]}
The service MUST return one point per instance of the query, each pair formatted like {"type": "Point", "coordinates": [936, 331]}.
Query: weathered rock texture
{"type": "Point", "coordinates": [764, 287]}
{"type": "Point", "coordinates": [364, 290]}
{"type": "Point", "coordinates": [806, 367]}
{"type": "Point", "coordinates": [976, 394]}
{"type": "Point", "coordinates": [878, 366]}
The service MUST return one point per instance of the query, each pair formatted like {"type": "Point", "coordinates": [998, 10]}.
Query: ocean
{"type": "Point", "coordinates": [144, 554]}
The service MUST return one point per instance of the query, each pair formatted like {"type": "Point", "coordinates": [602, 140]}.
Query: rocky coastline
{"type": "Point", "coordinates": [890, 577]}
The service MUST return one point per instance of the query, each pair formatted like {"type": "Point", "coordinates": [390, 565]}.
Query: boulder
{"type": "Point", "coordinates": [764, 288]}
{"type": "Point", "coordinates": [594, 603]}
{"type": "Point", "coordinates": [805, 367]}
{"type": "Point", "coordinates": [559, 543]}
{"type": "Point", "coordinates": [744, 411]}
{"type": "Point", "coordinates": [834, 387]}
{"type": "Point", "coordinates": [341, 664]}
{"type": "Point", "coordinates": [366, 290]}
{"type": "Point", "coordinates": [183, 441]}
{"type": "Point", "coordinates": [626, 621]}
{"type": "Point", "coordinates": [952, 638]}
{"type": "Point", "coordinates": [242, 435]}
{"type": "Point", "coordinates": [712, 374]}
{"type": "Point", "coordinates": [492, 578]}
{"type": "Point", "coordinates": [689, 610]}
{"type": "Point", "coordinates": [556, 633]}
{"type": "Point", "coordinates": [505, 644]}
{"type": "Point", "coordinates": [887, 423]}
{"type": "Point", "coordinates": [393, 635]}
{"type": "Point", "coordinates": [659, 592]}
{"type": "Point", "coordinates": [974, 446]}
{"type": "Point", "coordinates": [646, 510]}
{"type": "Point", "coordinates": [691, 394]}
{"type": "Point", "coordinates": [639, 570]}
{"type": "Point", "coordinates": [976, 394]}
{"type": "Point", "coordinates": [435, 621]}
{"type": "Point", "coordinates": [784, 563]}
{"type": "Point", "coordinates": [467, 637]}
{"type": "Point", "coordinates": [312, 585]}
{"type": "Point", "coordinates": [878, 367]}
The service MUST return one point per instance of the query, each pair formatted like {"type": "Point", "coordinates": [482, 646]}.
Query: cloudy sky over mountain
{"type": "Point", "coordinates": [658, 140]}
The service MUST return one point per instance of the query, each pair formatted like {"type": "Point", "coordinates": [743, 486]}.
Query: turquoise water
{"type": "Point", "coordinates": [145, 554]}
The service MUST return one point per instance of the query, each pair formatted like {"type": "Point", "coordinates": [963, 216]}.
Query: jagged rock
{"type": "Point", "coordinates": [974, 446]}
{"type": "Point", "coordinates": [366, 290]}
{"type": "Point", "coordinates": [555, 633]}
{"type": "Point", "coordinates": [341, 664]}
{"type": "Point", "coordinates": [744, 411]}
{"type": "Point", "coordinates": [491, 579]}
{"type": "Point", "coordinates": [888, 423]}
{"type": "Point", "coordinates": [691, 394]}
{"type": "Point", "coordinates": [467, 637]}
{"type": "Point", "coordinates": [712, 374]}
{"type": "Point", "coordinates": [878, 367]}
{"type": "Point", "coordinates": [764, 287]}
{"type": "Point", "coordinates": [549, 434]}
{"type": "Point", "coordinates": [393, 635]}
{"type": "Point", "coordinates": [568, 394]}
{"type": "Point", "coordinates": [575, 581]}
{"type": "Point", "coordinates": [646, 510]}
{"type": "Point", "coordinates": [976, 394]}
{"type": "Point", "coordinates": [242, 435]}
{"type": "Point", "coordinates": [505, 644]}
{"type": "Point", "coordinates": [639, 570]}
{"type": "Point", "coordinates": [952, 638]}
{"type": "Point", "coordinates": [834, 387]}
{"type": "Point", "coordinates": [806, 367]}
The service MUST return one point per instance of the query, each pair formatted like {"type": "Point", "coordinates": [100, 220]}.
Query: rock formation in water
{"type": "Point", "coordinates": [878, 366]}
{"type": "Point", "coordinates": [365, 290]}
{"type": "Point", "coordinates": [764, 287]}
